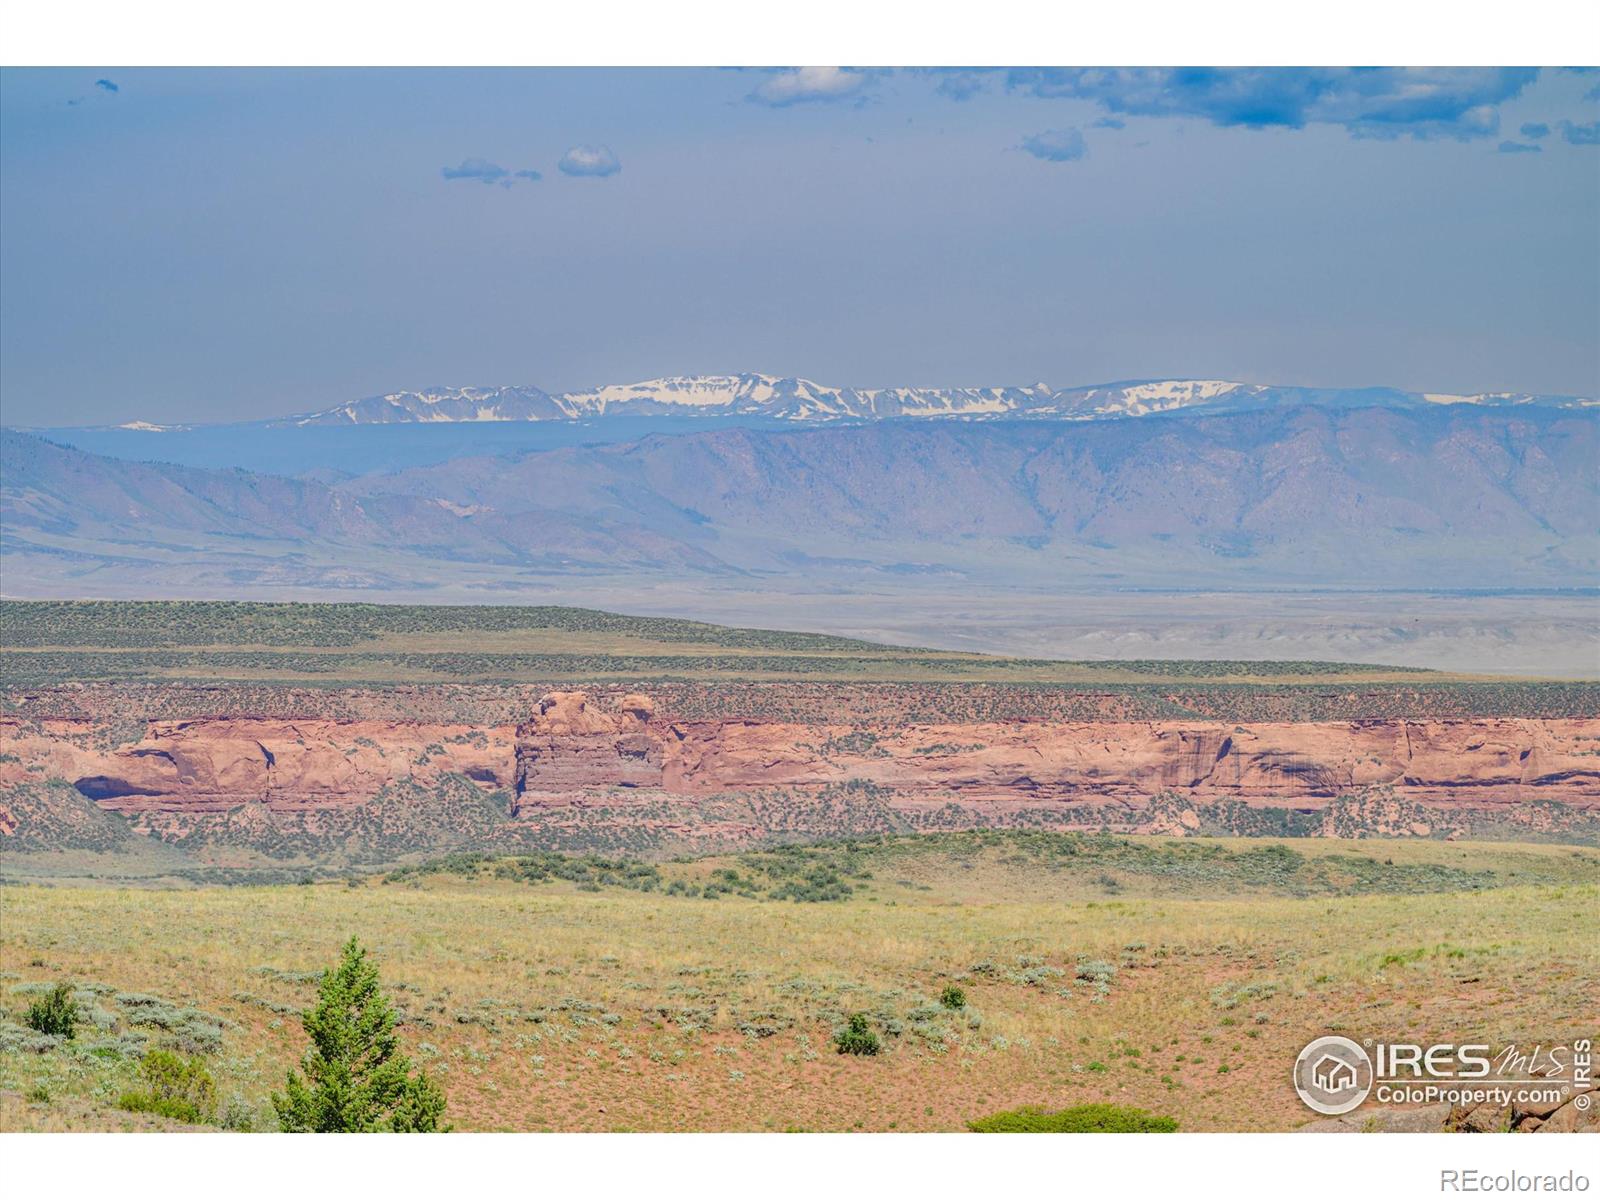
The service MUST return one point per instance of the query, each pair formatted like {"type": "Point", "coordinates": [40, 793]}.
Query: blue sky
{"type": "Point", "coordinates": [220, 245]}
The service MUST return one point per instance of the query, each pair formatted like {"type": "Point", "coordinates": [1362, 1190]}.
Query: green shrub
{"type": "Point", "coordinates": [1086, 1118]}
{"type": "Point", "coordinates": [54, 1014]}
{"type": "Point", "coordinates": [237, 1117]}
{"type": "Point", "coordinates": [176, 1087]}
{"type": "Point", "coordinates": [857, 1037]}
{"type": "Point", "coordinates": [953, 997]}
{"type": "Point", "coordinates": [356, 1079]}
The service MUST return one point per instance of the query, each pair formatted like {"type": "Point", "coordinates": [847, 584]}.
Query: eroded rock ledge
{"type": "Point", "coordinates": [575, 743]}
{"type": "Point", "coordinates": [579, 750]}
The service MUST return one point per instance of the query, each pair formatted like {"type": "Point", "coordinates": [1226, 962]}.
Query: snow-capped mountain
{"type": "Point", "coordinates": [704, 395]}
{"type": "Point", "coordinates": [802, 400]}
{"type": "Point", "coordinates": [149, 427]}
{"type": "Point", "coordinates": [1469, 496]}
{"type": "Point", "coordinates": [439, 404]}
{"type": "Point", "coordinates": [743, 395]}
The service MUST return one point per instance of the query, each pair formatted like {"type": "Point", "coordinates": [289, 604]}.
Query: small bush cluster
{"type": "Point", "coordinates": [1091, 970]}
{"type": "Point", "coordinates": [18, 1039]}
{"type": "Point", "coordinates": [952, 997]}
{"type": "Point", "coordinates": [805, 875]}
{"type": "Point", "coordinates": [724, 882]}
{"type": "Point", "coordinates": [859, 741]}
{"type": "Point", "coordinates": [174, 1086]}
{"type": "Point", "coordinates": [189, 1029]}
{"type": "Point", "coordinates": [857, 1037]}
{"type": "Point", "coordinates": [810, 874]}
{"type": "Point", "coordinates": [55, 1014]}
{"type": "Point", "coordinates": [1227, 996]}
{"type": "Point", "coordinates": [820, 885]}
{"type": "Point", "coordinates": [1085, 1118]}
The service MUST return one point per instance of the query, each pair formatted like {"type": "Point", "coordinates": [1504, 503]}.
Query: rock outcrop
{"type": "Point", "coordinates": [217, 765]}
{"type": "Point", "coordinates": [572, 745]}
{"type": "Point", "coordinates": [1575, 1112]}
{"type": "Point", "coordinates": [575, 741]}
{"type": "Point", "coordinates": [619, 751]}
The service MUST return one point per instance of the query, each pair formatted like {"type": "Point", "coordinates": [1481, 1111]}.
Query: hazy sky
{"type": "Point", "coordinates": [220, 245]}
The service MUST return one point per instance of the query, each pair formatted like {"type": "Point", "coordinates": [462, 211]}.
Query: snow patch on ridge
{"type": "Point", "coordinates": [805, 401]}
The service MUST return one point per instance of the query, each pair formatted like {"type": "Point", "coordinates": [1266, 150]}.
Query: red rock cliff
{"type": "Point", "coordinates": [576, 747]}
{"type": "Point", "coordinates": [575, 742]}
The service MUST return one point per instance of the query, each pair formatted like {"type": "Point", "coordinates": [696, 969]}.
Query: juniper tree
{"type": "Point", "coordinates": [356, 1079]}
{"type": "Point", "coordinates": [57, 1014]}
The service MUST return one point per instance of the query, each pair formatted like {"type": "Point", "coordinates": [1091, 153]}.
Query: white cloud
{"type": "Point", "coordinates": [1056, 145]}
{"type": "Point", "coordinates": [803, 84]}
{"type": "Point", "coordinates": [597, 161]}
{"type": "Point", "coordinates": [479, 169]}
{"type": "Point", "coordinates": [1380, 102]}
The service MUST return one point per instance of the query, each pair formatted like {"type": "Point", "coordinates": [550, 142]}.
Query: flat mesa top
{"type": "Point", "coordinates": [57, 641]}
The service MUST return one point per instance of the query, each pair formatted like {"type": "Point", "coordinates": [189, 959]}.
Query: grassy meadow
{"type": "Point", "coordinates": [1180, 977]}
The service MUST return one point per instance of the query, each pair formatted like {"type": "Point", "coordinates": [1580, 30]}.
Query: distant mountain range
{"type": "Point", "coordinates": [800, 400]}
{"type": "Point", "coordinates": [1456, 496]}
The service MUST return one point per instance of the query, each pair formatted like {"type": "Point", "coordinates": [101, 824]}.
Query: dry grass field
{"type": "Point", "coordinates": [1179, 977]}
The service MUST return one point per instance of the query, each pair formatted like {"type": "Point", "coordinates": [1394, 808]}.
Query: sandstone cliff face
{"type": "Point", "coordinates": [572, 744]}
{"type": "Point", "coordinates": [574, 741]}
{"type": "Point", "coordinates": [216, 765]}
{"type": "Point", "coordinates": [578, 750]}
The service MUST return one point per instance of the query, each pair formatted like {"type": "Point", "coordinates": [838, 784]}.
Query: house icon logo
{"type": "Point", "coordinates": [1333, 1075]}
